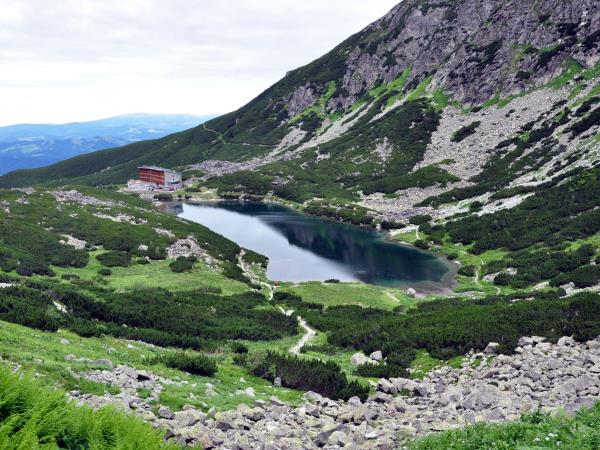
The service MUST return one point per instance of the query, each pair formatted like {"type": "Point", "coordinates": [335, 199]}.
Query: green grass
{"type": "Point", "coordinates": [366, 295]}
{"type": "Point", "coordinates": [156, 274]}
{"type": "Point", "coordinates": [423, 364]}
{"type": "Point", "coordinates": [535, 431]}
{"type": "Point", "coordinates": [441, 100]}
{"type": "Point", "coordinates": [46, 354]}
{"type": "Point", "coordinates": [420, 90]}
{"type": "Point", "coordinates": [408, 237]}
{"type": "Point", "coordinates": [395, 85]}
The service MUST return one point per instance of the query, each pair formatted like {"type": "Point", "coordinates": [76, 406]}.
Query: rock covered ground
{"type": "Point", "coordinates": [488, 387]}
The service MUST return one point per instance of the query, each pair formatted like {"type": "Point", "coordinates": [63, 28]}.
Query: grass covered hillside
{"type": "Point", "coordinates": [116, 302]}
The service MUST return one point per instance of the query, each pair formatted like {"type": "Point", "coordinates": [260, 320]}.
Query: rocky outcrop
{"type": "Point", "coordinates": [301, 98]}
{"type": "Point", "coordinates": [474, 48]}
{"type": "Point", "coordinates": [539, 375]}
{"type": "Point", "coordinates": [189, 247]}
{"type": "Point", "coordinates": [74, 196]}
{"type": "Point", "coordinates": [5, 206]}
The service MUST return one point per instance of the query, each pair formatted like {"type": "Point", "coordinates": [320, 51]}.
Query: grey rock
{"type": "Point", "coordinates": [165, 413]}
{"type": "Point", "coordinates": [358, 359]}
{"type": "Point", "coordinates": [386, 386]}
{"type": "Point", "coordinates": [404, 384]}
{"type": "Point", "coordinates": [323, 436]}
{"type": "Point", "coordinates": [566, 341]}
{"type": "Point", "coordinates": [188, 418]}
{"type": "Point", "coordinates": [376, 356]}
{"type": "Point", "coordinates": [492, 348]}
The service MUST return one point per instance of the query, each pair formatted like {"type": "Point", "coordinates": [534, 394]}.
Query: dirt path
{"type": "Point", "coordinates": [310, 333]}
{"type": "Point", "coordinates": [250, 275]}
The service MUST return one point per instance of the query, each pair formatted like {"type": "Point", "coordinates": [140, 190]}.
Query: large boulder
{"type": "Point", "coordinates": [323, 436]}
{"type": "Point", "coordinates": [482, 397]}
{"type": "Point", "coordinates": [358, 359]}
{"type": "Point", "coordinates": [492, 348]}
{"type": "Point", "coordinates": [376, 356]}
{"type": "Point", "coordinates": [405, 384]}
{"type": "Point", "coordinates": [386, 386]}
{"type": "Point", "coordinates": [566, 341]}
{"type": "Point", "coordinates": [165, 413]}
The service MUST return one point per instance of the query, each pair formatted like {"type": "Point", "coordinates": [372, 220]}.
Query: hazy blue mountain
{"type": "Point", "coordinates": [26, 146]}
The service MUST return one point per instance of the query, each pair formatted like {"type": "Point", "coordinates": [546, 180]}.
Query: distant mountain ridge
{"type": "Point", "coordinates": [25, 146]}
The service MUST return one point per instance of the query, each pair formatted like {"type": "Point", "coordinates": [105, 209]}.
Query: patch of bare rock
{"type": "Point", "coordinates": [189, 247]}
{"type": "Point", "coordinates": [122, 218]}
{"type": "Point", "coordinates": [5, 206]}
{"type": "Point", "coordinates": [72, 241]}
{"type": "Point", "coordinates": [74, 196]}
{"type": "Point", "coordinates": [539, 375]}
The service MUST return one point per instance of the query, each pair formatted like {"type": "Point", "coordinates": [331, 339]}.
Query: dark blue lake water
{"type": "Point", "coordinates": [307, 248]}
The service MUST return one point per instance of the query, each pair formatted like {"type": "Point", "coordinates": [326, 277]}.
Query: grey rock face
{"type": "Point", "coordinates": [301, 98]}
{"type": "Point", "coordinates": [473, 42]}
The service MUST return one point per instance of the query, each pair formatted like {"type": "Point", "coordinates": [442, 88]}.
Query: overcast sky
{"type": "Point", "coordinates": [74, 60]}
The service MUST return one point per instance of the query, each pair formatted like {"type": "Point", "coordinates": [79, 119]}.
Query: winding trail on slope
{"type": "Point", "coordinates": [310, 333]}
{"type": "Point", "coordinates": [252, 277]}
{"type": "Point", "coordinates": [305, 339]}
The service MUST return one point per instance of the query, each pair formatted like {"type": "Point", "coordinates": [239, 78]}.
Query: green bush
{"type": "Point", "coordinates": [391, 225]}
{"type": "Point", "coordinates": [464, 132]}
{"type": "Point", "coordinates": [420, 243]}
{"type": "Point", "coordinates": [234, 272]}
{"type": "Point", "coordinates": [439, 326]}
{"type": "Point", "coordinates": [239, 348]}
{"type": "Point", "coordinates": [420, 219]}
{"type": "Point", "coordinates": [467, 271]}
{"type": "Point", "coordinates": [183, 264]}
{"type": "Point", "coordinates": [325, 378]}
{"type": "Point", "coordinates": [582, 277]}
{"type": "Point", "coordinates": [503, 279]}
{"type": "Point", "coordinates": [105, 272]}
{"type": "Point", "coordinates": [255, 258]}
{"type": "Point", "coordinates": [70, 276]}
{"type": "Point", "coordinates": [115, 259]}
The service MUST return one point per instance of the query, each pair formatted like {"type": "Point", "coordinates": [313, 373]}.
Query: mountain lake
{"type": "Point", "coordinates": [307, 248]}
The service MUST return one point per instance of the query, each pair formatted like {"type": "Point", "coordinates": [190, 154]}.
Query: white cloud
{"type": "Point", "coordinates": [84, 59]}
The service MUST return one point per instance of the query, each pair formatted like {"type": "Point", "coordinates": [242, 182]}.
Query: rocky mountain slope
{"type": "Point", "coordinates": [486, 388]}
{"type": "Point", "coordinates": [27, 146]}
{"type": "Point", "coordinates": [375, 115]}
